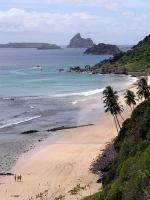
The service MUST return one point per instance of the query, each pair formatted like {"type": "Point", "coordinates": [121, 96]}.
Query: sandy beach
{"type": "Point", "coordinates": [62, 162]}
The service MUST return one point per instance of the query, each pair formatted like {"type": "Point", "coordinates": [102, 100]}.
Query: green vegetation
{"type": "Point", "coordinates": [112, 105]}
{"type": "Point", "coordinates": [130, 99]}
{"type": "Point", "coordinates": [143, 89]}
{"type": "Point", "coordinates": [136, 59]}
{"type": "Point", "coordinates": [128, 177]}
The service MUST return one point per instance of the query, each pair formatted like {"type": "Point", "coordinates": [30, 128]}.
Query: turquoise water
{"type": "Point", "coordinates": [20, 77]}
{"type": "Point", "coordinates": [34, 93]}
{"type": "Point", "coordinates": [34, 98]}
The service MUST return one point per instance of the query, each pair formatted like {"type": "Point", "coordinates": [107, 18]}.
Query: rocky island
{"type": "Point", "coordinates": [103, 49]}
{"type": "Point", "coordinates": [30, 45]}
{"type": "Point", "coordinates": [135, 61]}
{"type": "Point", "coordinates": [78, 42]}
{"type": "Point", "coordinates": [49, 46]}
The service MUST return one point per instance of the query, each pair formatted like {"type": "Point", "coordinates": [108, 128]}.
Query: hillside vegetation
{"type": "Point", "coordinates": [128, 177]}
{"type": "Point", "coordinates": [136, 59]}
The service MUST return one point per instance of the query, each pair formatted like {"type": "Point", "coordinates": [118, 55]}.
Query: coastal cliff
{"type": "Point", "coordinates": [78, 42]}
{"type": "Point", "coordinates": [135, 61]}
{"type": "Point", "coordinates": [103, 49]}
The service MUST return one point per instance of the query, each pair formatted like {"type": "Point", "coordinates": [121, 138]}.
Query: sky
{"type": "Point", "coordinates": [56, 21]}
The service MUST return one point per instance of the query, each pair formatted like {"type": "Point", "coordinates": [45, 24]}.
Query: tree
{"type": "Point", "coordinates": [143, 89]}
{"type": "Point", "coordinates": [112, 105]}
{"type": "Point", "coordinates": [130, 99]}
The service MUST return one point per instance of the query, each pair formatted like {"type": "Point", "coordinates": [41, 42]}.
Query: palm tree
{"type": "Point", "coordinates": [143, 89]}
{"type": "Point", "coordinates": [130, 98]}
{"type": "Point", "coordinates": [112, 105]}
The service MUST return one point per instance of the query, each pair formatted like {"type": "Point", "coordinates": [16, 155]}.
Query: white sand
{"type": "Point", "coordinates": [62, 163]}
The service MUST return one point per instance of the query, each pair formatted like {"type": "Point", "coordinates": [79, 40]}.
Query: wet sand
{"type": "Point", "coordinates": [62, 162]}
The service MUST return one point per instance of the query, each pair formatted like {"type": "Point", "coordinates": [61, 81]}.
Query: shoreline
{"type": "Point", "coordinates": [79, 141]}
{"type": "Point", "coordinates": [81, 110]}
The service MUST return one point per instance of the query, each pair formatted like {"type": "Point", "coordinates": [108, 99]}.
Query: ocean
{"type": "Point", "coordinates": [34, 95]}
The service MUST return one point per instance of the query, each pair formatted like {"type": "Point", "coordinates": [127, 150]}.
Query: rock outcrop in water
{"type": "Point", "coordinates": [103, 49]}
{"type": "Point", "coordinates": [135, 61]}
{"type": "Point", "coordinates": [78, 42]}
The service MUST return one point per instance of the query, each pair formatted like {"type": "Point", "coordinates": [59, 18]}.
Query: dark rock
{"type": "Point", "coordinates": [101, 164]}
{"type": "Point", "coordinates": [69, 127]}
{"type": "Point", "coordinates": [30, 132]}
{"type": "Point", "coordinates": [105, 67]}
{"type": "Point", "coordinates": [6, 174]}
{"type": "Point", "coordinates": [103, 49]}
{"type": "Point", "coordinates": [126, 178]}
{"type": "Point", "coordinates": [61, 70]}
{"type": "Point", "coordinates": [76, 69]}
{"type": "Point", "coordinates": [99, 180]}
{"type": "Point", "coordinates": [78, 42]}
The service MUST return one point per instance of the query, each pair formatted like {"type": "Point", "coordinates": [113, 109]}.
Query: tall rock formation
{"type": "Point", "coordinates": [78, 42]}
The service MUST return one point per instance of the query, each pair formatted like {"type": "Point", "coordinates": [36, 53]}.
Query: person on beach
{"type": "Point", "coordinates": [15, 177]}
{"type": "Point", "coordinates": [20, 177]}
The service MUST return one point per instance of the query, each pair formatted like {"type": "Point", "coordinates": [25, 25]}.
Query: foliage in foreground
{"type": "Point", "coordinates": [128, 177]}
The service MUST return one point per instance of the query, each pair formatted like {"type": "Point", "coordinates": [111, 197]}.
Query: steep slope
{"type": "Point", "coordinates": [137, 59]}
{"type": "Point", "coordinates": [128, 177]}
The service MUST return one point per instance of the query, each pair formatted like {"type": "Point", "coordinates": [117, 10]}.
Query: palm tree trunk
{"type": "Point", "coordinates": [116, 123]}
{"type": "Point", "coordinates": [121, 117]}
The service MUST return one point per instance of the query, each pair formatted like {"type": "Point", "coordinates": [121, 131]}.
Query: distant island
{"type": "Point", "coordinates": [30, 45]}
{"type": "Point", "coordinates": [49, 46]}
{"type": "Point", "coordinates": [103, 49]}
{"type": "Point", "coordinates": [78, 42]}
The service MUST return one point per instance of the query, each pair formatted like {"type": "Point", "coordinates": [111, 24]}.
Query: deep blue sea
{"type": "Point", "coordinates": [41, 98]}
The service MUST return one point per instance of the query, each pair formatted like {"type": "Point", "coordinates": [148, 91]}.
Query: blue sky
{"type": "Point", "coordinates": [56, 21]}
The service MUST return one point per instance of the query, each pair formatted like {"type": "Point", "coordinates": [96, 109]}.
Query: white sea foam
{"type": "Point", "coordinates": [89, 93]}
{"type": "Point", "coordinates": [75, 102]}
{"type": "Point", "coordinates": [133, 79]}
{"type": "Point", "coordinates": [32, 107]}
{"type": "Point", "coordinates": [16, 121]}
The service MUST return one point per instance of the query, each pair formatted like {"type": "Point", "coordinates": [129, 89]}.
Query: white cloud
{"type": "Point", "coordinates": [109, 4]}
{"type": "Point", "coordinates": [59, 27]}
{"type": "Point", "coordinates": [20, 20]}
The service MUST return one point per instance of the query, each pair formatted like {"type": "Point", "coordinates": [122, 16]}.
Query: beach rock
{"type": "Point", "coordinates": [67, 127]}
{"type": "Point", "coordinates": [6, 174]}
{"type": "Point", "coordinates": [103, 49]}
{"type": "Point", "coordinates": [61, 70]}
{"type": "Point", "coordinates": [101, 164]}
{"type": "Point", "coordinates": [76, 69]}
{"type": "Point", "coordinates": [78, 42]}
{"type": "Point", "coordinates": [30, 132]}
